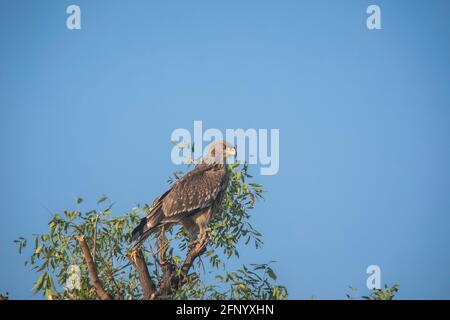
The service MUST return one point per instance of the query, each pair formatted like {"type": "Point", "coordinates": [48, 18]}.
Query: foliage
{"type": "Point", "coordinates": [387, 293]}
{"type": "Point", "coordinates": [56, 252]}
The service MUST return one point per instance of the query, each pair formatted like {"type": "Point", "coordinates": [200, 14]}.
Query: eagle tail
{"type": "Point", "coordinates": [146, 227]}
{"type": "Point", "coordinates": [140, 233]}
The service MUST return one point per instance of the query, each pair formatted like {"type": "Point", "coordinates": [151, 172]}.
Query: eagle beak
{"type": "Point", "coordinates": [230, 152]}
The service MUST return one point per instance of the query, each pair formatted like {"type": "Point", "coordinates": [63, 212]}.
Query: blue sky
{"type": "Point", "coordinates": [364, 121]}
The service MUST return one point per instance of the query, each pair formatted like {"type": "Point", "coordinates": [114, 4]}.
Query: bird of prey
{"type": "Point", "coordinates": [192, 200]}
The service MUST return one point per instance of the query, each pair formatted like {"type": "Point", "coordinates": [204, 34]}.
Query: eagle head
{"type": "Point", "coordinates": [219, 151]}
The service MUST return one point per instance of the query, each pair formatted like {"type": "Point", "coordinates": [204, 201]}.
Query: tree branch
{"type": "Point", "coordinates": [169, 281]}
{"type": "Point", "coordinates": [137, 259]}
{"type": "Point", "coordinates": [172, 281]}
{"type": "Point", "coordinates": [92, 270]}
{"type": "Point", "coordinates": [192, 254]}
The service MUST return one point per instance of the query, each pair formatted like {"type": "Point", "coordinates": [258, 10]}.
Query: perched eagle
{"type": "Point", "coordinates": [192, 200]}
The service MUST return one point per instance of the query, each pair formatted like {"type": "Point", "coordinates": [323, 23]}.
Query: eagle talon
{"type": "Point", "coordinates": [204, 239]}
{"type": "Point", "coordinates": [197, 243]}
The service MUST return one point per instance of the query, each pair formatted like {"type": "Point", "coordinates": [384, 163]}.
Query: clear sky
{"type": "Point", "coordinates": [364, 119]}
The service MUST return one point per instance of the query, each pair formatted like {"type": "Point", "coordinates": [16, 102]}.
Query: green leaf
{"type": "Point", "coordinates": [39, 282]}
{"type": "Point", "coordinates": [50, 284]}
{"type": "Point", "coordinates": [102, 199]}
{"type": "Point", "coordinates": [38, 249]}
{"type": "Point", "coordinates": [271, 273]}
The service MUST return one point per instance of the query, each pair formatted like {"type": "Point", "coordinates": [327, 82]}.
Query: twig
{"type": "Point", "coordinates": [110, 272]}
{"type": "Point", "coordinates": [95, 238]}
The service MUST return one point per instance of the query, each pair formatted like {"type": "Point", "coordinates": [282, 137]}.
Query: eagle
{"type": "Point", "coordinates": [192, 200]}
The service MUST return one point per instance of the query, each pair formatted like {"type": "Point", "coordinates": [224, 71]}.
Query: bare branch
{"type": "Point", "coordinates": [137, 259]}
{"type": "Point", "coordinates": [92, 270]}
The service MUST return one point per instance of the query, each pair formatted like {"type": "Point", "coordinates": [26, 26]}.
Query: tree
{"type": "Point", "coordinates": [85, 255]}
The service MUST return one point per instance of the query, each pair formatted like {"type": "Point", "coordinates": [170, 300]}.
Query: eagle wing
{"type": "Point", "coordinates": [197, 190]}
